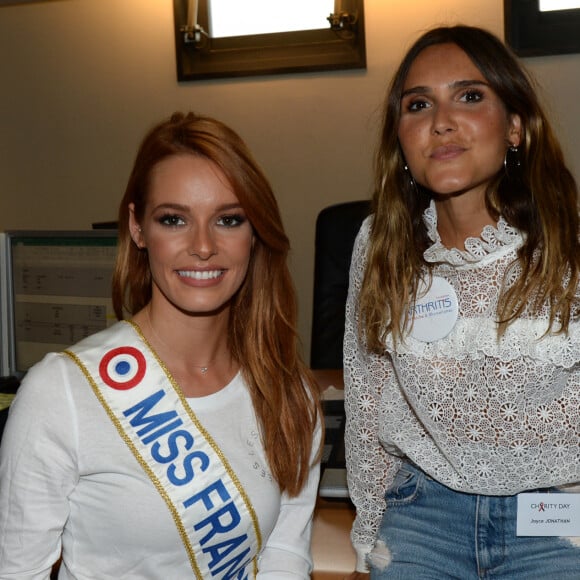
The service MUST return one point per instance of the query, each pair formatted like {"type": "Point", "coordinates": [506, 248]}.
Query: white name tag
{"type": "Point", "coordinates": [548, 514]}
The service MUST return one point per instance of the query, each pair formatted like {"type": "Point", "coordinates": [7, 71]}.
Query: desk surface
{"type": "Point", "coordinates": [5, 400]}
{"type": "Point", "coordinates": [332, 551]}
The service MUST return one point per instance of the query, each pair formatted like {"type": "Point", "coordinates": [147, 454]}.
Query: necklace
{"type": "Point", "coordinates": [203, 369]}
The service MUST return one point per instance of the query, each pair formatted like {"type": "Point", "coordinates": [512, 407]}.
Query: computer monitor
{"type": "Point", "coordinates": [55, 289]}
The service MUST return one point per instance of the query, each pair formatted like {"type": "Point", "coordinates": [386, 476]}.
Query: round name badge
{"type": "Point", "coordinates": [435, 311]}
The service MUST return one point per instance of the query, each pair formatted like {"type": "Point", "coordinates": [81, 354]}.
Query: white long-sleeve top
{"type": "Point", "coordinates": [478, 414]}
{"type": "Point", "coordinates": [67, 480]}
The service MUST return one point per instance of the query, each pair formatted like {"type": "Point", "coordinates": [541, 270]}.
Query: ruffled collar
{"type": "Point", "coordinates": [492, 240]}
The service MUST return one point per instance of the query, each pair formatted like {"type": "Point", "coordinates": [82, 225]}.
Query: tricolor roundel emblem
{"type": "Point", "coordinates": [123, 368]}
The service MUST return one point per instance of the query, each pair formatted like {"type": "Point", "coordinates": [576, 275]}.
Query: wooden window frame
{"type": "Point", "coordinates": [266, 54]}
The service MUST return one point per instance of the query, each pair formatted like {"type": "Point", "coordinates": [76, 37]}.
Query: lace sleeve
{"type": "Point", "coordinates": [370, 467]}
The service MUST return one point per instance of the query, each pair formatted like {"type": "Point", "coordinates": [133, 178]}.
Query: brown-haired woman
{"type": "Point", "coordinates": [183, 442]}
{"type": "Point", "coordinates": [462, 343]}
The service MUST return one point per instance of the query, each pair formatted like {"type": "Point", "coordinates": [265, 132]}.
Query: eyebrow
{"type": "Point", "coordinates": [454, 85]}
{"type": "Point", "coordinates": [186, 208]}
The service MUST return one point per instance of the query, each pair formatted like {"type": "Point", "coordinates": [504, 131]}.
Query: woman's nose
{"type": "Point", "coordinates": [202, 243]}
{"type": "Point", "coordinates": [443, 120]}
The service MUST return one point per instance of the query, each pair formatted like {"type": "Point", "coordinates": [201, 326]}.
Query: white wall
{"type": "Point", "coordinates": [81, 81]}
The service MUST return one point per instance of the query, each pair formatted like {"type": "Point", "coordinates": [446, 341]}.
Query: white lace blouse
{"type": "Point", "coordinates": [478, 414]}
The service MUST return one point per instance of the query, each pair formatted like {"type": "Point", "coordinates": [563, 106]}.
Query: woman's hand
{"type": "Point", "coordinates": [358, 576]}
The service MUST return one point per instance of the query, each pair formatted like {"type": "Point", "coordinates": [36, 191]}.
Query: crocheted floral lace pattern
{"type": "Point", "coordinates": [491, 240]}
{"type": "Point", "coordinates": [480, 415]}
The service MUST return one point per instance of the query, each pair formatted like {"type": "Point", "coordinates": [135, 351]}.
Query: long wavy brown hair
{"type": "Point", "coordinates": [262, 325]}
{"type": "Point", "coordinates": [541, 200]}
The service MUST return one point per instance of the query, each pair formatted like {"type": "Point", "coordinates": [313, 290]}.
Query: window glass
{"type": "Point", "coordinates": [548, 5]}
{"type": "Point", "coordinates": [235, 18]}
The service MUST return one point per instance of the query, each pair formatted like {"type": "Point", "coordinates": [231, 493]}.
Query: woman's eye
{"type": "Point", "coordinates": [171, 220]}
{"type": "Point", "coordinates": [471, 96]}
{"type": "Point", "coordinates": [231, 221]}
{"type": "Point", "coordinates": [417, 105]}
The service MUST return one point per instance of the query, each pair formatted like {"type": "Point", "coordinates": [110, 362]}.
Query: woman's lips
{"type": "Point", "coordinates": [447, 152]}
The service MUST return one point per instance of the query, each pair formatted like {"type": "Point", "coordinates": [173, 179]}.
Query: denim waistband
{"type": "Point", "coordinates": [414, 468]}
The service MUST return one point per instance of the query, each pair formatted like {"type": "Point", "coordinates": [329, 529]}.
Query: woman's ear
{"type": "Point", "coordinates": [515, 130]}
{"type": "Point", "coordinates": [135, 228]}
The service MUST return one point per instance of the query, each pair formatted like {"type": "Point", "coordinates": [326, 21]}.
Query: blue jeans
{"type": "Point", "coordinates": [432, 532]}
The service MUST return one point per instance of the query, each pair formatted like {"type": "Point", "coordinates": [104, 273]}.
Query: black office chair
{"type": "Point", "coordinates": [336, 230]}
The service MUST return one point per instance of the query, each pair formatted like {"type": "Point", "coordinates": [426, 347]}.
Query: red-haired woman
{"type": "Point", "coordinates": [184, 441]}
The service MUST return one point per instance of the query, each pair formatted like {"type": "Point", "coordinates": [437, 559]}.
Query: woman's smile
{"type": "Point", "coordinates": [201, 274]}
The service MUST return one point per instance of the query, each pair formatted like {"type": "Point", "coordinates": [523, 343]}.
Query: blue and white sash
{"type": "Point", "coordinates": [212, 512]}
